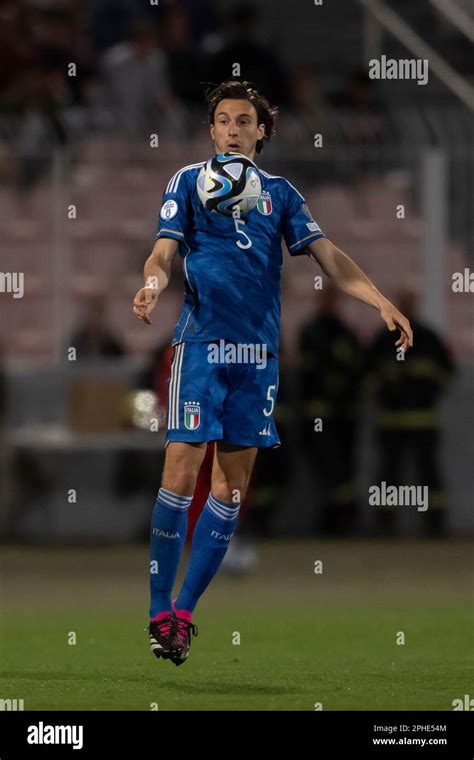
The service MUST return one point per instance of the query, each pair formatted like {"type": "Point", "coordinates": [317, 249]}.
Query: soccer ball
{"type": "Point", "coordinates": [228, 180]}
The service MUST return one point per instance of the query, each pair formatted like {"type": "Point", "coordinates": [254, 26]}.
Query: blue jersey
{"type": "Point", "coordinates": [232, 267]}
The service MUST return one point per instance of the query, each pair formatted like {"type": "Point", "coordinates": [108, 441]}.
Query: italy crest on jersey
{"type": "Point", "coordinates": [192, 415]}
{"type": "Point", "coordinates": [264, 203]}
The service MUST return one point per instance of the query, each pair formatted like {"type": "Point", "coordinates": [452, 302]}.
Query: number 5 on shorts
{"type": "Point", "coordinates": [271, 400]}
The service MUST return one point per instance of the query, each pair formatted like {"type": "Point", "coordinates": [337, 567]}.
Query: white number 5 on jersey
{"type": "Point", "coordinates": [241, 232]}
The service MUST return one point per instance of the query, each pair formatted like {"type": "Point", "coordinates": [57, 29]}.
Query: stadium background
{"type": "Point", "coordinates": [81, 184]}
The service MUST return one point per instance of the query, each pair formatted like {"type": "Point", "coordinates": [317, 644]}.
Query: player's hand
{"type": "Point", "coordinates": [394, 320]}
{"type": "Point", "coordinates": [144, 303]}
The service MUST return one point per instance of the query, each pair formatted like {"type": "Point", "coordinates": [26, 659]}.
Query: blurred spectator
{"type": "Point", "coordinates": [94, 339]}
{"type": "Point", "coordinates": [330, 375]}
{"type": "Point", "coordinates": [111, 21]}
{"type": "Point", "coordinates": [17, 55]}
{"type": "Point", "coordinates": [42, 128]}
{"type": "Point", "coordinates": [306, 114]}
{"type": "Point", "coordinates": [407, 395]}
{"type": "Point", "coordinates": [185, 64]}
{"type": "Point", "coordinates": [360, 115]}
{"type": "Point", "coordinates": [44, 102]}
{"type": "Point", "coordinates": [53, 33]}
{"type": "Point", "coordinates": [239, 43]}
{"type": "Point", "coordinates": [203, 19]}
{"type": "Point", "coordinates": [60, 35]}
{"type": "Point", "coordinates": [136, 87]}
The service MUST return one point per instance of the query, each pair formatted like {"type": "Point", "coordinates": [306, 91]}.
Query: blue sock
{"type": "Point", "coordinates": [212, 535]}
{"type": "Point", "coordinates": [169, 523]}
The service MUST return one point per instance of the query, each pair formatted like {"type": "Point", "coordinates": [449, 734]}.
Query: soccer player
{"type": "Point", "coordinates": [232, 299]}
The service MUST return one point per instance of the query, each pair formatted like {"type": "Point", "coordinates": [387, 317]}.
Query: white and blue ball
{"type": "Point", "coordinates": [228, 180]}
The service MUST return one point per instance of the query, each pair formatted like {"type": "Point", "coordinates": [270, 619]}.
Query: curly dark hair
{"type": "Point", "coordinates": [236, 90]}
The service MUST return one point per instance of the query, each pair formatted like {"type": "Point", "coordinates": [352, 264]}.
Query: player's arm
{"type": "Point", "coordinates": [157, 272]}
{"type": "Point", "coordinates": [345, 273]}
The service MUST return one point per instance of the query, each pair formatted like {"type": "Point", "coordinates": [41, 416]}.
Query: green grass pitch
{"type": "Point", "coordinates": [305, 638]}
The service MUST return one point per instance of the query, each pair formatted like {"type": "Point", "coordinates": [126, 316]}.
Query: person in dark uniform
{"type": "Point", "coordinates": [407, 395]}
{"type": "Point", "coordinates": [330, 374]}
{"type": "Point", "coordinates": [94, 339]}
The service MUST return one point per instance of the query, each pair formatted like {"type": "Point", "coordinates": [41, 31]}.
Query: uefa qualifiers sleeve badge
{"type": "Point", "coordinates": [169, 209]}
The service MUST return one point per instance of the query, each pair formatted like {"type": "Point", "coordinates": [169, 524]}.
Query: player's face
{"type": "Point", "coordinates": [235, 128]}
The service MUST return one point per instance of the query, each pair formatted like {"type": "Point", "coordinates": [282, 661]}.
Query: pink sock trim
{"type": "Point", "coordinates": [160, 616]}
{"type": "Point", "coordinates": [184, 615]}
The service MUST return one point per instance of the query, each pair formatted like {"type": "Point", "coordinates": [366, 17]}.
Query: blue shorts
{"type": "Point", "coordinates": [220, 396]}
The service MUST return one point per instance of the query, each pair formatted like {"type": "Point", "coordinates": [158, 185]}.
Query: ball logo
{"type": "Point", "coordinates": [253, 179]}
{"type": "Point", "coordinates": [169, 210]}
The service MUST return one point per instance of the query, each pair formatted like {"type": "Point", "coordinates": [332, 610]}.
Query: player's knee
{"type": "Point", "coordinates": [180, 473]}
{"type": "Point", "coordinates": [230, 490]}
{"type": "Point", "coordinates": [180, 481]}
